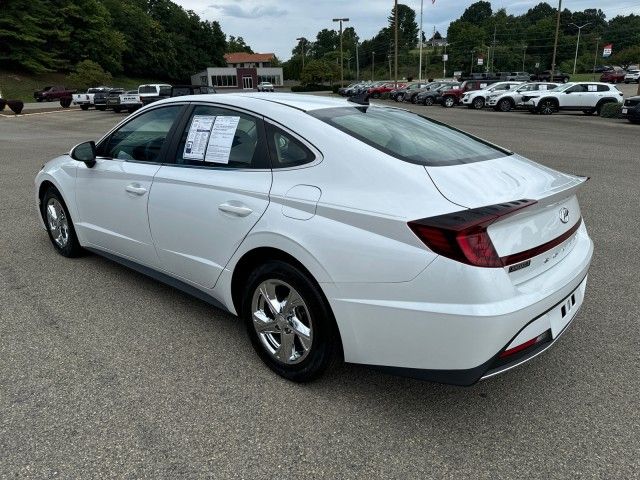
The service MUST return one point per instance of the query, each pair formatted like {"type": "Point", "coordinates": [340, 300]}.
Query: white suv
{"type": "Point", "coordinates": [632, 76]}
{"type": "Point", "coordinates": [586, 96]}
{"type": "Point", "coordinates": [506, 101]}
{"type": "Point", "coordinates": [477, 98]}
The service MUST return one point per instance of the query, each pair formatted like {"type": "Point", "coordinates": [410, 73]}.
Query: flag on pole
{"type": "Point", "coordinates": [608, 49]}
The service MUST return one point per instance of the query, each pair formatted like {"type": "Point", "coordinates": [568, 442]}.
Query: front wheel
{"type": "Point", "coordinates": [546, 107]}
{"type": "Point", "coordinates": [505, 105]}
{"type": "Point", "coordinates": [289, 322]}
{"type": "Point", "coordinates": [59, 225]}
{"type": "Point", "coordinates": [428, 101]}
{"type": "Point", "coordinates": [84, 107]}
{"type": "Point", "coordinates": [478, 103]}
{"type": "Point", "coordinates": [400, 98]}
{"type": "Point", "coordinates": [448, 102]}
{"type": "Point", "coordinates": [565, 80]}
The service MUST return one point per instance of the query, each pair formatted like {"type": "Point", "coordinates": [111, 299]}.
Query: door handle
{"type": "Point", "coordinates": [237, 210]}
{"type": "Point", "coordinates": [136, 189]}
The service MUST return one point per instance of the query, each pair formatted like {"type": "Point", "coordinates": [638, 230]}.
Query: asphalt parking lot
{"type": "Point", "coordinates": [105, 373]}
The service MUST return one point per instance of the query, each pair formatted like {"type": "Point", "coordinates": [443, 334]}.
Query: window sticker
{"type": "Point", "coordinates": [198, 136]}
{"type": "Point", "coordinates": [221, 139]}
{"type": "Point", "coordinates": [483, 85]}
{"type": "Point", "coordinates": [592, 88]}
{"type": "Point", "coordinates": [543, 87]}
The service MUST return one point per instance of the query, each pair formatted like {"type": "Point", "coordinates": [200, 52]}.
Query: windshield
{"type": "Point", "coordinates": [408, 136]}
{"type": "Point", "coordinates": [147, 89]}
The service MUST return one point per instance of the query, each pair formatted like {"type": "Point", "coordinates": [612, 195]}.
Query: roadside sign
{"type": "Point", "coordinates": [608, 49]}
{"type": "Point", "coordinates": [537, 64]}
{"type": "Point", "coordinates": [480, 61]}
{"type": "Point", "coordinates": [445, 57]}
{"type": "Point", "coordinates": [457, 73]}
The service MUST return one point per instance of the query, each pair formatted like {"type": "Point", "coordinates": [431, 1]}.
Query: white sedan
{"type": "Point", "coordinates": [333, 229]}
{"type": "Point", "coordinates": [265, 87]}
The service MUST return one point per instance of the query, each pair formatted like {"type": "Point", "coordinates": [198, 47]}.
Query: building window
{"type": "Point", "coordinates": [224, 80]}
{"type": "Point", "coordinates": [275, 79]}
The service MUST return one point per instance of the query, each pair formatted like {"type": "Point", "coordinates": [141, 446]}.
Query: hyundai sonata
{"type": "Point", "coordinates": [334, 229]}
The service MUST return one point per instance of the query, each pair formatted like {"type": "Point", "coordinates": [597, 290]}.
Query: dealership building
{"type": "Point", "coordinates": [243, 70]}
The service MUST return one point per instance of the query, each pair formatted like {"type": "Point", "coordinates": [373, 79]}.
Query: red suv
{"type": "Point", "coordinates": [613, 76]}
{"type": "Point", "coordinates": [451, 97]}
{"type": "Point", "coordinates": [375, 92]}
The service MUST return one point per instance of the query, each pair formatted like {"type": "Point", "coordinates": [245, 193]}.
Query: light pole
{"type": "Point", "coordinates": [373, 64]}
{"type": "Point", "coordinates": [524, 55]}
{"type": "Point", "coordinates": [396, 43]}
{"type": "Point", "coordinates": [555, 43]}
{"type": "Point", "coordinates": [341, 57]}
{"type": "Point", "coordinates": [575, 60]}
{"type": "Point", "coordinates": [595, 59]}
{"type": "Point", "coordinates": [349, 65]}
{"type": "Point", "coordinates": [302, 40]}
{"type": "Point", "coordinates": [420, 39]}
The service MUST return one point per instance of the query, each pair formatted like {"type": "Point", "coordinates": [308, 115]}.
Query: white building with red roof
{"type": "Point", "coordinates": [243, 70]}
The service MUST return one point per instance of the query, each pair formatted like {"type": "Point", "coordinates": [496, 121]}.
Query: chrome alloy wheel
{"type": "Point", "coordinates": [282, 321]}
{"type": "Point", "coordinates": [57, 222]}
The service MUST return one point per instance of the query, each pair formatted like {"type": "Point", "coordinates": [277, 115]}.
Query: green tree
{"type": "Point", "coordinates": [628, 56]}
{"type": "Point", "coordinates": [326, 41]}
{"type": "Point", "coordinates": [407, 27]}
{"type": "Point", "coordinates": [477, 13]}
{"type": "Point", "coordinates": [89, 74]}
{"type": "Point", "coordinates": [319, 71]}
{"type": "Point", "coordinates": [237, 44]}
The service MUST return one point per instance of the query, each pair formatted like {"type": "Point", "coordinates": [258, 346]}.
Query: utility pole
{"type": "Point", "coordinates": [493, 50]}
{"type": "Point", "coordinates": [575, 60]}
{"type": "Point", "coordinates": [420, 39]}
{"type": "Point", "coordinates": [357, 64]}
{"type": "Point", "coordinates": [524, 55]}
{"type": "Point", "coordinates": [373, 64]}
{"type": "Point", "coordinates": [472, 52]}
{"type": "Point", "coordinates": [396, 43]}
{"type": "Point", "coordinates": [555, 43]}
{"type": "Point", "coordinates": [341, 55]}
{"type": "Point", "coordinates": [389, 57]}
{"type": "Point", "coordinates": [349, 64]}
{"type": "Point", "coordinates": [302, 40]}
{"type": "Point", "coordinates": [595, 60]}
{"type": "Point", "coordinates": [444, 62]}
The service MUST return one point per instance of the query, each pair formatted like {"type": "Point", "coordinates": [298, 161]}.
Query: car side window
{"type": "Point", "coordinates": [287, 151]}
{"type": "Point", "coordinates": [142, 138]}
{"type": "Point", "coordinates": [603, 88]}
{"type": "Point", "coordinates": [577, 88]}
{"type": "Point", "coordinates": [246, 149]}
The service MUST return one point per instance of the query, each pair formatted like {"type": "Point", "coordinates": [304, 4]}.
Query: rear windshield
{"type": "Point", "coordinates": [165, 91]}
{"type": "Point", "coordinates": [147, 89]}
{"type": "Point", "coordinates": [408, 136]}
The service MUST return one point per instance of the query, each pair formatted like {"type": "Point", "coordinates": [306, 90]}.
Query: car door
{"type": "Point", "coordinates": [112, 195]}
{"type": "Point", "coordinates": [573, 97]}
{"type": "Point", "coordinates": [203, 204]}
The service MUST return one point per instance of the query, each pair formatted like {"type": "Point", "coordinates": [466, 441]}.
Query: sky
{"type": "Point", "coordinates": [271, 26]}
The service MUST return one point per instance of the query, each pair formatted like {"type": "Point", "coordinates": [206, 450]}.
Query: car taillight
{"type": "Point", "coordinates": [463, 236]}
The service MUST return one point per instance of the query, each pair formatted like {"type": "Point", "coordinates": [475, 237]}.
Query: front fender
{"type": "Point", "coordinates": [61, 172]}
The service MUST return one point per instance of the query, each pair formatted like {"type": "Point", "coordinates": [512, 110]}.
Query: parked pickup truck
{"type": "Point", "coordinates": [55, 92]}
{"type": "Point", "coordinates": [86, 100]}
{"type": "Point", "coordinates": [130, 101]}
{"type": "Point", "coordinates": [181, 90]}
{"type": "Point", "coordinates": [150, 93]}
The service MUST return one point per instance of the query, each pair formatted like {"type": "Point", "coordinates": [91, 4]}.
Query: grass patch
{"type": "Point", "coordinates": [584, 77]}
{"type": "Point", "coordinates": [20, 86]}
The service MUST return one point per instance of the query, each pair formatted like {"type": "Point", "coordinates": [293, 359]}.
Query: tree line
{"type": "Point", "coordinates": [143, 38]}
{"type": "Point", "coordinates": [505, 42]}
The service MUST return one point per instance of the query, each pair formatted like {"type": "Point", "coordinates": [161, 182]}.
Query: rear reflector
{"type": "Point", "coordinates": [529, 343]}
{"type": "Point", "coordinates": [463, 235]}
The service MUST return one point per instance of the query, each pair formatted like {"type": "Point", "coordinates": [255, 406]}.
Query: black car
{"type": "Point", "coordinates": [182, 90]}
{"type": "Point", "coordinates": [434, 95]}
{"type": "Point", "coordinates": [412, 95]}
{"type": "Point", "coordinates": [602, 68]}
{"type": "Point", "coordinates": [100, 98]}
{"type": "Point", "coordinates": [631, 109]}
{"type": "Point", "coordinates": [548, 76]}
{"type": "Point", "coordinates": [113, 99]}
{"type": "Point", "coordinates": [399, 94]}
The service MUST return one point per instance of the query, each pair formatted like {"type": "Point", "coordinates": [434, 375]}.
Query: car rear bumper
{"type": "Point", "coordinates": [451, 323]}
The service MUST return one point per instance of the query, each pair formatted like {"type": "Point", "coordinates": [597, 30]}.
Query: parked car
{"type": "Point", "coordinates": [399, 94]}
{"type": "Point", "coordinates": [153, 92]}
{"type": "Point", "coordinates": [631, 109]}
{"type": "Point", "coordinates": [100, 98]}
{"type": "Point", "coordinates": [632, 76]}
{"type": "Point", "coordinates": [377, 90]}
{"type": "Point", "coordinates": [412, 96]}
{"type": "Point", "coordinates": [477, 99]}
{"type": "Point", "coordinates": [616, 75]}
{"type": "Point", "coordinates": [602, 68]}
{"type": "Point", "coordinates": [55, 92]}
{"type": "Point", "coordinates": [265, 87]}
{"type": "Point", "coordinates": [518, 76]}
{"type": "Point", "coordinates": [182, 90]}
{"type": "Point", "coordinates": [588, 97]}
{"type": "Point", "coordinates": [86, 99]}
{"type": "Point", "coordinates": [129, 101]}
{"type": "Point", "coordinates": [451, 97]}
{"type": "Point", "coordinates": [343, 90]}
{"type": "Point", "coordinates": [506, 101]}
{"type": "Point", "coordinates": [113, 99]}
{"type": "Point", "coordinates": [433, 96]}
{"type": "Point", "coordinates": [548, 76]}
{"type": "Point", "coordinates": [476, 279]}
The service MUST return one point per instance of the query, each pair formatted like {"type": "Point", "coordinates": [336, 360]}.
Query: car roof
{"type": "Point", "coordinates": [298, 101]}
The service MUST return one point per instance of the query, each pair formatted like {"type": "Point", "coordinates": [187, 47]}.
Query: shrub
{"type": "Point", "coordinates": [335, 88]}
{"type": "Point", "coordinates": [312, 87]}
{"type": "Point", "coordinates": [611, 110]}
{"type": "Point", "coordinates": [89, 74]}
{"type": "Point", "coordinates": [16, 106]}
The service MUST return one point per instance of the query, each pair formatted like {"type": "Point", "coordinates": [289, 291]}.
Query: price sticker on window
{"type": "Point", "coordinates": [592, 88]}
{"type": "Point", "coordinates": [221, 139]}
{"type": "Point", "coordinates": [198, 137]}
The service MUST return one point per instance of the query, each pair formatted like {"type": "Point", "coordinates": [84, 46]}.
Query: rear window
{"type": "Point", "coordinates": [147, 89]}
{"type": "Point", "coordinates": [408, 136]}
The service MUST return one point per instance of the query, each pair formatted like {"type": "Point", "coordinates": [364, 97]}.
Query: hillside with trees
{"type": "Point", "coordinates": [505, 41]}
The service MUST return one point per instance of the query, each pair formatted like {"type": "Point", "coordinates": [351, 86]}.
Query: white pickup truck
{"type": "Point", "coordinates": [130, 101]}
{"type": "Point", "coordinates": [85, 100]}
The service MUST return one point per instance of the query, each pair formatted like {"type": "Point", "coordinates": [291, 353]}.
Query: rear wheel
{"type": "Point", "coordinates": [84, 107]}
{"type": "Point", "coordinates": [375, 95]}
{"type": "Point", "coordinates": [289, 322]}
{"type": "Point", "coordinates": [400, 98]}
{"type": "Point", "coordinates": [428, 101]}
{"type": "Point", "coordinates": [448, 102]}
{"type": "Point", "coordinates": [505, 105]}
{"type": "Point", "coordinates": [59, 225]}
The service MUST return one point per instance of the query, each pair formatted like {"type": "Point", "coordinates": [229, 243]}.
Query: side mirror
{"type": "Point", "coordinates": [84, 152]}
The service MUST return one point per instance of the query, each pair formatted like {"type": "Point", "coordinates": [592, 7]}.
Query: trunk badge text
{"type": "Point", "coordinates": [564, 215]}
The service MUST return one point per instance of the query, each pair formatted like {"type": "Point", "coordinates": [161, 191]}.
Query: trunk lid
{"type": "Point", "coordinates": [544, 229]}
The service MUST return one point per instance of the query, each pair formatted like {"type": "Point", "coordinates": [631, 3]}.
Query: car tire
{"type": "Point", "coordinates": [117, 109]}
{"type": "Point", "coordinates": [504, 105]}
{"type": "Point", "coordinates": [565, 80]}
{"type": "Point", "coordinates": [59, 224]}
{"type": "Point", "coordinates": [428, 101]}
{"type": "Point", "coordinates": [448, 102]}
{"type": "Point", "coordinates": [298, 343]}
{"type": "Point", "coordinates": [478, 103]}
{"type": "Point", "coordinates": [375, 95]}
{"type": "Point", "coordinates": [84, 107]}
{"type": "Point", "coordinates": [635, 121]}
{"type": "Point", "coordinates": [546, 107]}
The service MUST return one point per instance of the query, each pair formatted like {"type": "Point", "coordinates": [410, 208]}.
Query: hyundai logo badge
{"type": "Point", "coordinates": [564, 215]}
